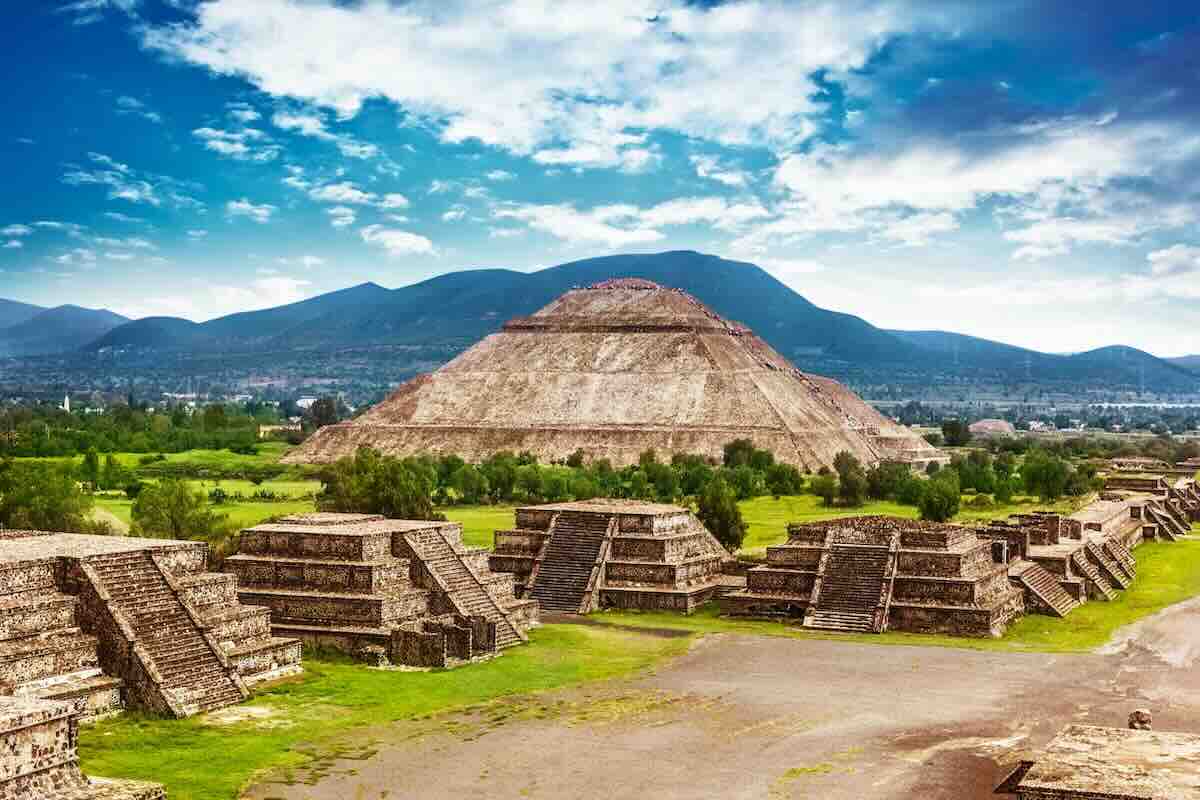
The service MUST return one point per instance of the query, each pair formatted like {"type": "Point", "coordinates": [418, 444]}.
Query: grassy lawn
{"type": "Point", "coordinates": [303, 720]}
{"type": "Point", "coordinates": [268, 455]}
{"type": "Point", "coordinates": [1168, 573]}
{"type": "Point", "coordinates": [243, 514]}
{"type": "Point", "coordinates": [480, 522]}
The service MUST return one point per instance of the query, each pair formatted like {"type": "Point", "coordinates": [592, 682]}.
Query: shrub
{"type": "Point", "coordinates": [718, 510]}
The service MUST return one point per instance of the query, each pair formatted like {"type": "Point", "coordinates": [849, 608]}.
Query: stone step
{"type": "Point", "coordinates": [1045, 586]}
{"type": "Point", "coordinates": [1106, 565]}
{"type": "Point", "coordinates": [1081, 562]}
{"type": "Point", "coordinates": [841, 621]}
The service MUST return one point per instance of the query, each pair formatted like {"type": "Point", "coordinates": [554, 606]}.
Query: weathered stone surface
{"type": "Point", "coordinates": [613, 370]}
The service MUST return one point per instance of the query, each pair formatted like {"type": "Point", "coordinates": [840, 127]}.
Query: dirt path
{"type": "Point", "coordinates": [762, 717]}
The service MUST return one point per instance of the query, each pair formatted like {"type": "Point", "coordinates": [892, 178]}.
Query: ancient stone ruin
{"type": "Point", "coordinates": [613, 370]}
{"type": "Point", "coordinates": [39, 761]}
{"type": "Point", "coordinates": [401, 591]}
{"type": "Point", "coordinates": [871, 574]}
{"type": "Point", "coordinates": [579, 557]}
{"type": "Point", "coordinates": [100, 622]}
{"type": "Point", "coordinates": [1085, 762]}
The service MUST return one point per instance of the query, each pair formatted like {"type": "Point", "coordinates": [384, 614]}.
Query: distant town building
{"type": "Point", "coordinates": [66, 403]}
{"type": "Point", "coordinates": [269, 431]}
{"type": "Point", "coordinates": [305, 403]}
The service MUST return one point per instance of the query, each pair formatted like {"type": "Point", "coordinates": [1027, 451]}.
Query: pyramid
{"type": "Point", "coordinates": [615, 369]}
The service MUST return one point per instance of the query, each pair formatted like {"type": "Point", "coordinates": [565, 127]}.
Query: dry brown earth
{"type": "Point", "coordinates": [763, 717]}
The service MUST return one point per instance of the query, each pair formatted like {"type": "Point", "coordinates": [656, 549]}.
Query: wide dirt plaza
{"type": "Point", "coordinates": [751, 716]}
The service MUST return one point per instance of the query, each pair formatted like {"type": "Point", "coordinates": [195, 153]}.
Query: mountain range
{"type": "Point", "coordinates": [456, 309]}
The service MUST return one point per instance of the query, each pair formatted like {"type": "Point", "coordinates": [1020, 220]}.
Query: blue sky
{"type": "Point", "coordinates": [1024, 171]}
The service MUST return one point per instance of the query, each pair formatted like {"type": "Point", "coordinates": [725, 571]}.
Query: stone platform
{"type": "Point", "coordinates": [406, 591]}
{"type": "Point", "coordinates": [874, 574]}
{"type": "Point", "coordinates": [39, 760]}
{"type": "Point", "coordinates": [581, 556]}
{"type": "Point", "coordinates": [100, 622]}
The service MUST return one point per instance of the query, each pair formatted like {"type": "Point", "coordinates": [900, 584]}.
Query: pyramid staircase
{"type": "Point", "coordinates": [566, 573]}
{"type": "Point", "coordinates": [1042, 583]}
{"type": "Point", "coordinates": [185, 666]}
{"type": "Point", "coordinates": [853, 583]}
{"type": "Point", "coordinates": [1121, 556]}
{"type": "Point", "coordinates": [1168, 527]}
{"type": "Point", "coordinates": [463, 588]}
{"type": "Point", "coordinates": [1114, 572]}
{"type": "Point", "coordinates": [1086, 568]}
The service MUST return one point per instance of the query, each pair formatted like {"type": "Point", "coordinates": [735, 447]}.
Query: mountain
{"type": "Point", "coordinates": [1187, 362]}
{"type": "Point", "coordinates": [13, 312]}
{"type": "Point", "coordinates": [57, 330]}
{"type": "Point", "coordinates": [246, 329]}
{"type": "Point", "coordinates": [1125, 366]}
{"type": "Point", "coordinates": [442, 316]}
{"type": "Point", "coordinates": [463, 307]}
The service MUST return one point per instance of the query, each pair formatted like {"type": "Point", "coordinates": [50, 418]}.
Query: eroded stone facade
{"type": "Point", "coordinates": [400, 591]}
{"type": "Point", "coordinates": [579, 557]}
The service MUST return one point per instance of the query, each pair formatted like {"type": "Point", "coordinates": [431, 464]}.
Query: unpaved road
{"type": "Point", "coordinates": [762, 717]}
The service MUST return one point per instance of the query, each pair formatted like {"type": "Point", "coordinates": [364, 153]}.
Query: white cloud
{"type": "Point", "coordinates": [13, 244]}
{"type": "Point", "coordinates": [344, 192]}
{"type": "Point", "coordinates": [623, 225]}
{"type": "Point", "coordinates": [16, 230]}
{"type": "Point", "coordinates": [131, 105]}
{"type": "Point", "coordinates": [1057, 183]}
{"type": "Point", "coordinates": [243, 112]}
{"type": "Point", "coordinates": [125, 184]}
{"type": "Point", "coordinates": [262, 293]}
{"type": "Point", "coordinates": [131, 242]}
{"type": "Point", "coordinates": [576, 84]}
{"type": "Point", "coordinates": [196, 234]}
{"type": "Point", "coordinates": [455, 214]}
{"type": "Point", "coordinates": [248, 144]}
{"type": "Point", "coordinates": [79, 255]}
{"type": "Point", "coordinates": [1179, 259]}
{"type": "Point", "coordinates": [397, 242]}
{"type": "Point", "coordinates": [119, 217]}
{"type": "Point", "coordinates": [306, 261]}
{"type": "Point", "coordinates": [505, 233]}
{"type": "Point", "coordinates": [499, 175]}
{"type": "Point", "coordinates": [394, 200]}
{"type": "Point", "coordinates": [119, 256]}
{"type": "Point", "coordinates": [437, 186]}
{"type": "Point", "coordinates": [712, 168]}
{"type": "Point", "coordinates": [612, 226]}
{"type": "Point", "coordinates": [244, 208]}
{"type": "Point", "coordinates": [88, 12]}
{"type": "Point", "coordinates": [312, 124]}
{"type": "Point", "coordinates": [341, 216]}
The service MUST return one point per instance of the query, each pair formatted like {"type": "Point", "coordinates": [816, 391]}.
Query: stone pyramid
{"type": "Point", "coordinates": [614, 369]}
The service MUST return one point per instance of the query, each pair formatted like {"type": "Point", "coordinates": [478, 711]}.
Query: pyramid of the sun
{"type": "Point", "coordinates": [615, 369]}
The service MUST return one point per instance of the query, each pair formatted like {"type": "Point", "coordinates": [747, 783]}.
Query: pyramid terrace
{"type": "Point", "coordinates": [579, 557]}
{"type": "Point", "coordinates": [401, 591]}
{"type": "Point", "coordinates": [104, 622]}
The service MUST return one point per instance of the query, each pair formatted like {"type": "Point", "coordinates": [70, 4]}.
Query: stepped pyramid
{"type": "Point", "coordinates": [408, 591]}
{"type": "Point", "coordinates": [579, 557]}
{"type": "Point", "coordinates": [615, 369]}
{"type": "Point", "coordinates": [101, 622]}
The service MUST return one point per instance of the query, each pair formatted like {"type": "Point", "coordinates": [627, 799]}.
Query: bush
{"type": "Point", "coordinates": [825, 487]}
{"type": "Point", "coordinates": [718, 510]}
{"type": "Point", "coordinates": [940, 500]}
{"type": "Point", "coordinates": [171, 510]}
{"type": "Point", "coordinates": [371, 483]}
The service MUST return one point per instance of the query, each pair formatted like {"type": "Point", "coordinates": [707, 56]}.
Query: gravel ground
{"type": "Point", "coordinates": [763, 717]}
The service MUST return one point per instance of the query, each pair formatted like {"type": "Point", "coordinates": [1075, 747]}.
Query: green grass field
{"type": "Point", "coordinates": [302, 722]}
{"type": "Point", "coordinates": [268, 455]}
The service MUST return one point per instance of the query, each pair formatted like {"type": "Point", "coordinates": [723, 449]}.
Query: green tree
{"type": "Point", "coordinates": [956, 433]}
{"type": "Point", "coordinates": [825, 487]}
{"type": "Point", "coordinates": [718, 510]}
{"type": "Point", "coordinates": [37, 496]}
{"type": "Point", "coordinates": [1045, 475]}
{"type": "Point", "coordinates": [470, 483]}
{"type": "Point", "coordinates": [885, 479]}
{"type": "Point", "coordinates": [941, 498]}
{"type": "Point", "coordinates": [89, 469]}
{"type": "Point", "coordinates": [321, 413]}
{"type": "Point", "coordinates": [852, 480]}
{"type": "Point", "coordinates": [784, 479]}
{"type": "Point", "coordinates": [371, 483]}
{"type": "Point", "coordinates": [170, 509]}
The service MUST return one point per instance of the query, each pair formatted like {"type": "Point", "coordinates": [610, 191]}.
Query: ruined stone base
{"type": "Point", "coordinates": [685, 601]}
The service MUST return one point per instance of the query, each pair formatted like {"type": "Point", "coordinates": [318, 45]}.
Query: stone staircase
{"type": "Point", "coordinates": [463, 588]}
{"type": "Point", "coordinates": [191, 673]}
{"type": "Point", "coordinates": [1085, 567]}
{"type": "Point", "coordinates": [1114, 572]}
{"type": "Point", "coordinates": [1168, 527]}
{"type": "Point", "coordinates": [568, 560]}
{"type": "Point", "coordinates": [44, 654]}
{"type": "Point", "coordinates": [1040, 582]}
{"type": "Point", "coordinates": [853, 581]}
{"type": "Point", "coordinates": [1121, 555]}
